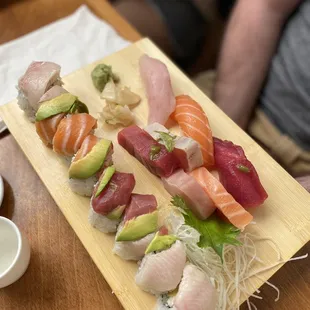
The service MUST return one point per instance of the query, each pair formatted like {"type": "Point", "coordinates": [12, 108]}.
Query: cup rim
{"type": "Point", "coordinates": [19, 245]}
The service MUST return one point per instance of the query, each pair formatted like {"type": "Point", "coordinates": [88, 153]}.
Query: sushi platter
{"type": "Point", "coordinates": [283, 221]}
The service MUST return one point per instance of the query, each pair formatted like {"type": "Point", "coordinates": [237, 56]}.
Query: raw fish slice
{"type": "Point", "coordinates": [162, 272]}
{"type": "Point", "coordinates": [47, 128]}
{"type": "Point", "coordinates": [38, 78]}
{"type": "Point", "coordinates": [238, 175]}
{"type": "Point", "coordinates": [89, 142]}
{"type": "Point", "coordinates": [233, 211]}
{"type": "Point", "coordinates": [71, 133]}
{"type": "Point", "coordinates": [132, 250]}
{"type": "Point", "coordinates": [116, 193]}
{"type": "Point", "coordinates": [187, 150]}
{"type": "Point", "coordinates": [139, 205]}
{"type": "Point", "coordinates": [52, 93]}
{"type": "Point", "coordinates": [156, 79]}
{"type": "Point", "coordinates": [184, 185]}
{"type": "Point", "coordinates": [139, 144]}
{"type": "Point", "coordinates": [195, 291]}
{"type": "Point", "coordinates": [194, 123]}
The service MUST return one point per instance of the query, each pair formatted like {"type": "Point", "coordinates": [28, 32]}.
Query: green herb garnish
{"type": "Point", "coordinates": [167, 139]}
{"type": "Point", "coordinates": [243, 168]}
{"type": "Point", "coordinates": [214, 232]}
{"type": "Point", "coordinates": [155, 149]}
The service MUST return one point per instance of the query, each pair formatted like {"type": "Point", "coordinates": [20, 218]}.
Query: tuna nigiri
{"type": "Point", "coordinates": [194, 292]}
{"type": "Point", "coordinates": [153, 155]}
{"type": "Point", "coordinates": [138, 227]}
{"type": "Point", "coordinates": [238, 175]}
{"type": "Point", "coordinates": [110, 198]}
{"type": "Point", "coordinates": [160, 271]}
{"type": "Point", "coordinates": [71, 132]}
{"type": "Point", "coordinates": [94, 155]}
{"type": "Point", "coordinates": [232, 210]}
{"type": "Point", "coordinates": [184, 185]}
{"type": "Point", "coordinates": [187, 150]}
{"type": "Point", "coordinates": [194, 123]}
{"type": "Point", "coordinates": [38, 78]}
{"type": "Point", "coordinates": [156, 79]}
{"type": "Point", "coordinates": [47, 128]}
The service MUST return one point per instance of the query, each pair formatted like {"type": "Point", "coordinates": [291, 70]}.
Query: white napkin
{"type": "Point", "coordinates": [72, 42]}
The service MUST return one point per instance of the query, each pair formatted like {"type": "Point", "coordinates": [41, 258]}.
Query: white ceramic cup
{"type": "Point", "coordinates": [14, 252]}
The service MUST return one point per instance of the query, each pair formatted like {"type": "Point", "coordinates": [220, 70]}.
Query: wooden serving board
{"type": "Point", "coordinates": [285, 216]}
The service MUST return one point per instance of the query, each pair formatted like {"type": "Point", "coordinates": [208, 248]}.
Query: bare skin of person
{"type": "Point", "coordinates": [250, 42]}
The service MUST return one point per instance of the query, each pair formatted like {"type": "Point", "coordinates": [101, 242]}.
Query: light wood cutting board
{"type": "Point", "coordinates": [285, 216]}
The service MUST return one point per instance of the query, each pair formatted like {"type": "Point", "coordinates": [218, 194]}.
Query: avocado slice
{"type": "Point", "coordinates": [60, 104]}
{"type": "Point", "coordinates": [79, 107]}
{"type": "Point", "coordinates": [108, 173]}
{"type": "Point", "coordinates": [138, 227]}
{"type": "Point", "coordinates": [92, 162]}
{"type": "Point", "coordinates": [116, 213]}
{"type": "Point", "coordinates": [160, 243]}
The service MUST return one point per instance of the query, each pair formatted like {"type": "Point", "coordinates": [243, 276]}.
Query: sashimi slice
{"type": "Point", "coordinates": [140, 144]}
{"type": "Point", "coordinates": [195, 291]}
{"type": "Point", "coordinates": [52, 93]}
{"type": "Point", "coordinates": [71, 133]}
{"type": "Point", "coordinates": [194, 123]}
{"type": "Point", "coordinates": [184, 185]}
{"type": "Point", "coordinates": [162, 272]}
{"type": "Point", "coordinates": [38, 78]}
{"type": "Point", "coordinates": [232, 210]}
{"type": "Point", "coordinates": [116, 193]}
{"type": "Point", "coordinates": [186, 149]}
{"type": "Point", "coordinates": [47, 128]}
{"type": "Point", "coordinates": [139, 205]}
{"type": "Point", "coordinates": [238, 175]}
{"type": "Point", "coordinates": [89, 142]}
{"type": "Point", "coordinates": [156, 79]}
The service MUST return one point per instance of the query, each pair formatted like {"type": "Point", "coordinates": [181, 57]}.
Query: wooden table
{"type": "Point", "coordinates": [61, 274]}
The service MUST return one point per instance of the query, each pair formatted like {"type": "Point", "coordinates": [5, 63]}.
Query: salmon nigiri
{"type": "Point", "coordinates": [71, 133]}
{"type": "Point", "coordinates": [232, 210]}
{"type": "Point", "coordinates": [194, 124]}
{"type": "Point", "coordinates": [46, 128]}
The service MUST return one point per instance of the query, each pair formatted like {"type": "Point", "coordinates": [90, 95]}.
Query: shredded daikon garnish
{"type": "Point", "coordinates": [232, 278]}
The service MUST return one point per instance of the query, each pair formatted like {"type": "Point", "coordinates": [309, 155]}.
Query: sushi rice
{"type": "Point", "coordinates": [101, 222]}
{"type": "Point", "coordinates": [83, 187]}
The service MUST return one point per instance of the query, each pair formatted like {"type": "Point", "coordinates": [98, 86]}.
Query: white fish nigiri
{"type": "Point", "coordinates": [195, 292]}
{"type": "Point", "coordinates": [156, 79]}
{"type": "Point", "coordinates": [132, 250]}
{"type": "Point", "coordinates": [162, 272]}
{"type": "Point", "coordinates": [186, 149]}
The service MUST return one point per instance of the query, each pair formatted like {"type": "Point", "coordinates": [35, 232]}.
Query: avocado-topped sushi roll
{"type": "Point", "coordinates": [39, 77]}
{"type": "Point", "coordinates": [57, 103]}
{"type": "Point", "coordinates": [110, 197]}
{"type": "Point", "coordinates": [138, 227]}
{"type": "Point", "coordinates": [161, 268]}
{"type": "Point", "coordinates": [94, 155]}
{"type": "Point", "coordinates": [194, 292]}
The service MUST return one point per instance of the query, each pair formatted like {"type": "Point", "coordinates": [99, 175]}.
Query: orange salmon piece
{"type": "Point", "coordinates": [89, 142]}
{"type": "Point", "coordinates": [232, 210]}
{"type": "Point", "coordinates": [71, 133]}
{"type": "Point", "coordinates": [194, 124]}
{"type": "Point", "coordinates": [47, 128]}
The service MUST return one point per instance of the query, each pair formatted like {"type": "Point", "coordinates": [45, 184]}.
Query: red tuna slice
{"type": "Point", "coordinates": [139, 205]}
{"type": "Point", "coordinates": [238, 175]}
{"type": "Point", "coordinates": [116, 193]}
{"type": "Point", "coordinates": [139, 144]}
